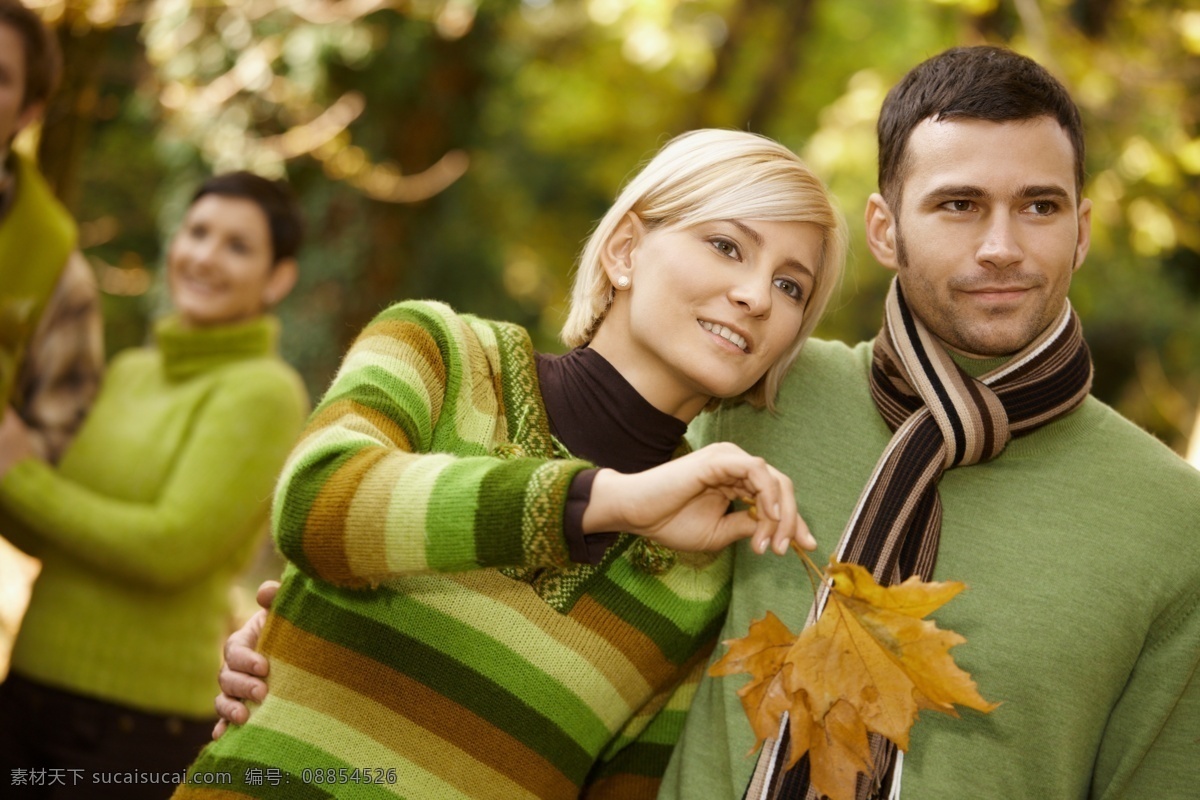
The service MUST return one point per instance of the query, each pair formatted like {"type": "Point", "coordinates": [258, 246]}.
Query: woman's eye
{"type": "Point", "coordinates": [726, 248]}
{"type": "Point", "coordinates": [790, 288]}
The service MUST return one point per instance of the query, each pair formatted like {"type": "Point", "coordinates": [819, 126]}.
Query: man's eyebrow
{"type": "Point", "coordinates": [969, 192]}
{"type": "Point", "coordinates": [1049, 190]}
{"type": "Point", "coordinates": [956, 191]}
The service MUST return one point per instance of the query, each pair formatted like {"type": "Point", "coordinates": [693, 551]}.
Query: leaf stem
{"type": "Point", "coordinates": [814, 572]}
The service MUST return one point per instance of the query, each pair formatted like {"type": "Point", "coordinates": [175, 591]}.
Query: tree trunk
{"type": "Point", "coordinates": [781, 68]}
{"type": "Point", "coordinates": [71, 112]}
{"type": "Point", "coordinates": [703, 109]}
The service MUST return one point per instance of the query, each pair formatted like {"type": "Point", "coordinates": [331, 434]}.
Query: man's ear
{"type": "Point", "coordinates": [1084, 240]}
{"type": "Point", "coordinates": [616, 255]}
{"type": "Point", "coordinates": [881, 231]}
{"type": "Point", "coordinates": [280, 282]}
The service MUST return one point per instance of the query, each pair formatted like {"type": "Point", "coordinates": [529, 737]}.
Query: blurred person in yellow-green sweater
{"type": "Point", "coordinates": [51, 336]}
{"type": "Point", "coordinates": [51, 351]}
{"type": "Point", "coordinates": [151, 513]}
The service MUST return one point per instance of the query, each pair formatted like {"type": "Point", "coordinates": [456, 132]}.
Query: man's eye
{"type": "Point", "coordinates": [960, 205]}
{"type": "Point", "coordinates": [1043, 208]}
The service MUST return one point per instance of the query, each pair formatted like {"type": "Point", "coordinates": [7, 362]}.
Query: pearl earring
{"type": "Point", "coordinates": [623, 282]}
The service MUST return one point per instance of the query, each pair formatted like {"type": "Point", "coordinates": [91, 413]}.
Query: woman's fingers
{"type": "Point", "coordinates": [772, 501]}
{"type": "Point", "coordinates": [684, 504]}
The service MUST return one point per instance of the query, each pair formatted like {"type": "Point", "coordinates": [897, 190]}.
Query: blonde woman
{"type": "Point", "coordinates": [461, 617]}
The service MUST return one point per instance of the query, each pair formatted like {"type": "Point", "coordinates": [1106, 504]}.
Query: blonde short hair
{"type": "Point", "coordinates": [709, 175]}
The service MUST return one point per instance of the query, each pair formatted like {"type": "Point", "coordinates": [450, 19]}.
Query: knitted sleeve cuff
{"type": "Point", "coordinates": [584, 548]}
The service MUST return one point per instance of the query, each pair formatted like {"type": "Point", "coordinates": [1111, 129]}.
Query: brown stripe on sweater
{"type": "Point", "coordinates": [483, 394]}
{"type": "Point", "coordinates": [624, 787]}
{"type": "Point", "coordinates": [345, 407]}
{"type": "Point", "coordinates": [417, 703]}
{"type": "Point", "coordinates": [642, 651]}
{"type": "Point", "coordinates": [325, 527]}
{"type": "Point", "coordinates": [417, 340]}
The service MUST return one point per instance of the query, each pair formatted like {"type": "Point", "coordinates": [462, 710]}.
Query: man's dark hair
{"type": "Point", "coordinates": [982, 82]}
{"type": "Point", "coordinates": [273, 197]}
{"type": "Point", "coordinates": [43, 61]}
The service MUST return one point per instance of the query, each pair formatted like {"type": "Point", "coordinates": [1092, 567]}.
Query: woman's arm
{"type": "Point", "coordinates": [396, 473]}
{"type": "Point", "coordinates": [211, 501]}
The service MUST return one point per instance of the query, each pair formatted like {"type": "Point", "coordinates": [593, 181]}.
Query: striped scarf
{"type": "Point", "coordinates": [940, 418]}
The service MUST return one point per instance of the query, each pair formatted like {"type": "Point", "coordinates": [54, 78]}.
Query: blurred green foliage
{"type": "Point", "coordinates": [462, 149]}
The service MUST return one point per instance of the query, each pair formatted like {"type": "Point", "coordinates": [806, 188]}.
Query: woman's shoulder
{"type": "Point", "coordinates": [434, 323]}
{"type": "Point", "coordinates": [434, 314]}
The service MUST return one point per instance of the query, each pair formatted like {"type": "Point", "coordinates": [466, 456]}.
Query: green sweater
{"type": "Point", "coordinates": [1078, 545]}
{"type": "Point", "coordinates": [431, 624]}
{"type": "Point", "coordinates": [151, 514]}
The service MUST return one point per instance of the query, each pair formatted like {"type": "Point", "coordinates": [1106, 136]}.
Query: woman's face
{"type": "Point", "coordinates": [709, 308]}
{"type": "Point", "coordinates": [220, 262]}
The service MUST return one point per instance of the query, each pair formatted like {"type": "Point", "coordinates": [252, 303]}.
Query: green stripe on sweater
{"type": "Point", "coordinates": [624, 591]}
{"type": "Point", "coordinates": [503, 506]}
{"type": "Point", "coordinates": [516, 697]}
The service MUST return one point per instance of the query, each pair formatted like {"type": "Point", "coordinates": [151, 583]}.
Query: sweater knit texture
{"type": "Point", "coordinates": [431, 638]}
{"type": "Point", "coordinates": [51, 353]}
{"type": "Point", "coordinates": [1078, 547]}
{"type": "Point", "coordinates": [152, 512]}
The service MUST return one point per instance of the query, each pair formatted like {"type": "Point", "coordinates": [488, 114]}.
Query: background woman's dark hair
{"type": "Point", "coordinates": [273, 197]}
{"type": "Point", "coordinates": [43, 61]}
{"type": "Point", "coordinates": [982, 82]}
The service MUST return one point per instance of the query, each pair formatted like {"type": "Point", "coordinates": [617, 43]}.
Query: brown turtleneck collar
{"type": "Point", "coordinates": [599, 416]}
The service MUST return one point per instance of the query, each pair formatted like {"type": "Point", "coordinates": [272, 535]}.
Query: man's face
{"type": "Point", "coordinates": [12, 86]}
{"type": "Point", "coordinates": [988, 232]}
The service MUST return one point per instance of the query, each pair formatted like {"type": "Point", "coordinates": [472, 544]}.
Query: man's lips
{"type": "Point", "coordinates": [997, 294]}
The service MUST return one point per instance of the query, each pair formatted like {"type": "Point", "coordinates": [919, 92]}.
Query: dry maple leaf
{"type": "Point", "coordinates": [868, 664]}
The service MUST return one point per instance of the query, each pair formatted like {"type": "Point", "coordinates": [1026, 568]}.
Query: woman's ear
{"type": "Point", "coordinates": [280, 282]}
{"type": "Point", "coordinates": [617, 254]}
{"type": "Point", "coordinates": [881, 231]}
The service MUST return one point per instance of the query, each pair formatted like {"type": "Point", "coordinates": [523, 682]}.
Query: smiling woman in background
{"type": "Point", "coordinates": [154, 509]}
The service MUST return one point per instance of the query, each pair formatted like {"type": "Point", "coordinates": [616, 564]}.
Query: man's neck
{"type": "Point", "coordinates": [977, 366]}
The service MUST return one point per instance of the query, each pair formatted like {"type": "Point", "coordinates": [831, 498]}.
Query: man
{"type": "Point", "coordinates": [51, 352]}
{"type": "Point", "coordinates": [1077, 540]}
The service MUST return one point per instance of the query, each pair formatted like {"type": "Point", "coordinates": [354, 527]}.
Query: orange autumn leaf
{"type": "Point", "coordinates": [869, 664]}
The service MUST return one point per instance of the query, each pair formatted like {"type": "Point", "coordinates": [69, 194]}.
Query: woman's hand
{"type": "Point", "coordinates": [16, 443]}
{"type": "Point", "coordinates": [241, 676]}
{"type": "Point", "coordinates": [683, 504]}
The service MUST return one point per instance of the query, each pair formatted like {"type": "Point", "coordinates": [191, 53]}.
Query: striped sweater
{"type": "Point", "coordinates": [431, 638]}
